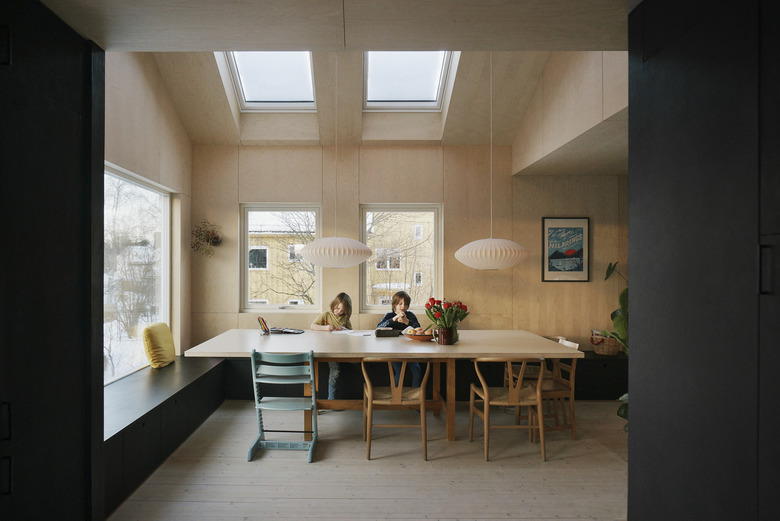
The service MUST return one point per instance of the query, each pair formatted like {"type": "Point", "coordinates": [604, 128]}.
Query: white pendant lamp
{"type": "Point", "coordinates": [335, 252]}
{"type": "Point", "coordinates": [491, 254]}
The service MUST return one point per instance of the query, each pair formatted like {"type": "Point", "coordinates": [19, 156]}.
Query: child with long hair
{"type": "Point", "coordinates": [335, 319]}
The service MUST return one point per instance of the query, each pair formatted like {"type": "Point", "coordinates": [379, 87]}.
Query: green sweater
{"type": "Point", "coordinates": [328, 318]}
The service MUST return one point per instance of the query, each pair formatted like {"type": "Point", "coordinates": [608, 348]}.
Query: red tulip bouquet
{"type": "Point", "coordinates": [444, 313]}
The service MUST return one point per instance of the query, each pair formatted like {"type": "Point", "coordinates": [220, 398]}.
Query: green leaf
{"type": "Point", "coordinates": [623, 410]}
{"type": "Point", "coordinates": [610, 270]}
{"type": "Point", "coordinates": [624, 300]}
{"type": "Point", "coordinates": [620, 324]}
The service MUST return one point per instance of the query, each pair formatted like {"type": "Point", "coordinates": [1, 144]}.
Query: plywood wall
{"type": "Point", "coordinates": [456, 176]}
{"type": "Point", "coordinates": [569, 309]}
{"type": "Point", "coordinates": [145, 138]}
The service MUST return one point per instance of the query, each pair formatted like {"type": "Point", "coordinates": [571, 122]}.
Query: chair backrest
{"type": "Point", "coordinates": [282, 368]}
{"type": "Point", "coordinates": [396, 390]}
{"type": "Point", "coordinates": [516, 386]}
{"type": "Point", "coordinates": [568, 343]}
{"type": "Point", "coordinates": [563, 371]}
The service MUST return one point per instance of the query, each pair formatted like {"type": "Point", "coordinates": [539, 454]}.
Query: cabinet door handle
{"type": "Point", "coordinates": [766, 270]}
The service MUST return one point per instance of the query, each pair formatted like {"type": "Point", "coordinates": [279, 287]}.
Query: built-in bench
{"type": "Point", "coordinates": [149, 413]}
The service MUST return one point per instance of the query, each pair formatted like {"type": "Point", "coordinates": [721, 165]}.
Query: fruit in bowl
{"type": "Point", "coordinates": [419, 334]}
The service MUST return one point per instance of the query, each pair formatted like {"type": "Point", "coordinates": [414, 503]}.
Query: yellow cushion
{"type": "Point", "coordinates": [158, 344]}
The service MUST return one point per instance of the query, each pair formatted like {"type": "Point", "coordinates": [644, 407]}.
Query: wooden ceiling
{"type": "Point", "coordinates": [349, 25]}
{"type": "Point", "coordinates": [184, 35]}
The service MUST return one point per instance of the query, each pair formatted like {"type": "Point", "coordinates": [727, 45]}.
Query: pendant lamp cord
{"type": "Point", "coordinates": [491, 144]}
{"type": "Point", "coordinates": [336, 150]}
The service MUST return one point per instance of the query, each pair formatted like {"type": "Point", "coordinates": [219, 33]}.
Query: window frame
{"type": "Point", "coordinates": [269, 106]}
{"type": "Point", "coordinates": [245, 305]}
{"type": "Point", "coordinates": [438, 249]}
{"type": "Point", "coordinates": [418, 232]}
{"type": "Point", "coordinates": [449, 67]}
{"type": "Point", "coordinates": [166, 246]}
{"type": "Point", "coordinates": [292, 254]}
{"type": "Point", "coordinates": [393, 252]}
{"type": "Point", "coordinates": [267, 266]}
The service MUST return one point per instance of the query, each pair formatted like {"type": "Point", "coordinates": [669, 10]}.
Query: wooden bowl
{"type": "Point", "coordinates": [419, 338]}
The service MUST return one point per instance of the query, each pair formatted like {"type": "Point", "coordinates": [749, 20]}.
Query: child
{"type": "Point", "coordinates": [335, 319]}
{"type": "Point", "coordinates": [400, 318]}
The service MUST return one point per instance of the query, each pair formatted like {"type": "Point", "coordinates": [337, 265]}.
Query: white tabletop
{"type": "Point", "coordinates": [237, 343]}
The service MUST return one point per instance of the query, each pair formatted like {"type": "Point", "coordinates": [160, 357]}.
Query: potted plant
{"type": "Point", "coordinates": [204, 237]}
{"type": "Point", "coordinates": [620, 315]}
{"type": "Point", "coordinates": [620, 332]}
{"type": "Point", "coordinates": [446, 316]}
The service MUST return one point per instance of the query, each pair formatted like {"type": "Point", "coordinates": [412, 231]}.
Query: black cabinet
{"type": "Point", "coordinates": [601, 377]}
{"type": "Point", "coordinates": [142, 450]}
{"type": "Point", "coordinates": [174, 423]}
{"type": "Point", "coordinates": [149, 414]}
{"type": "Point", "coordinates": [769, 77]}
{"type": "Point", "coordinates": [113, 459]}
{"type": "Point", "coordinates": [205, 395]}
{"type": "Point", "coordinates": [768, 387]}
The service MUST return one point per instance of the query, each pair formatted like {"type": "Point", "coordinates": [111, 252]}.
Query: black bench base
{"type": "Point", "coordinates": [148, 414]}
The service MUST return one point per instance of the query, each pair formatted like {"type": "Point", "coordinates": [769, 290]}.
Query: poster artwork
{"type": "Point", "coordinates": [565, 249]}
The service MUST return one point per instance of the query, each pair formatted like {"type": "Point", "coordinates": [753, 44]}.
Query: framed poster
{"type": "Point", "coordinates": [565, 249]}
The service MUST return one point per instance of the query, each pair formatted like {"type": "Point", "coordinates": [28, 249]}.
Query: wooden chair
{"type": "Point", "coordinates": [518, 393]}
{"type": "Point", "coordinates": [532, 371]}
{"type": "Point", "coordinates": [558, 389]}
{"type": "Point", "coordinates": [396, 396]}
{"type": "Point", "coordinates": [283, 369]}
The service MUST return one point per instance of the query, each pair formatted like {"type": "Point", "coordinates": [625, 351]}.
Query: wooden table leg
{"type": "Point", "coordinates": [450, 403]}
{"type": "Point", "coordinates": [436, 384]}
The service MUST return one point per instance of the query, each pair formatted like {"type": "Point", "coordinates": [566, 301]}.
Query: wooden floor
{"type": "Point", "coordinates": [208, 477]}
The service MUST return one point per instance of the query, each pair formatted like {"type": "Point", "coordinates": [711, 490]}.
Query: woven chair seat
{"type": "Point", "coordinates": [500, 395]}
{"type": "Point", "coordinates": [554, 385]}
{"type": "Point", "coordinates": [384, 395]}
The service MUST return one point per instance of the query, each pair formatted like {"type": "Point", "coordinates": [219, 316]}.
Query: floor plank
{"type": "Point", "coordinates": [208, 477]}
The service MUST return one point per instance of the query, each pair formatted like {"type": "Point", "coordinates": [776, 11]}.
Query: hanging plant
{"type": "Point", "coordinates": [204, 237]}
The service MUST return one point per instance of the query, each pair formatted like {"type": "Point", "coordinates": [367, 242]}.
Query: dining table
{"type": "Point", "coordinates": [354, 346]}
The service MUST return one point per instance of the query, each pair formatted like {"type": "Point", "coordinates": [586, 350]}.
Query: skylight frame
{"type": "Point", "coordinates": [410, 105]}
{"type": "Point", "coordinates": [246, 106]}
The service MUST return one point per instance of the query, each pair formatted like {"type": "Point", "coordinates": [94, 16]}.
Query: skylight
{"type": "Point", "coordinates": [405, 81]}
{"type": "Point", "coordinates": [273, 81]}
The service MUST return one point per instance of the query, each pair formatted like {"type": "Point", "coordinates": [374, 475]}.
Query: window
{"type": "Point", "coordinates": [273, 272]}
{"type": "Point", "coordinates": [405, 81]}
{"type": "Point", "coordinates": [294, 252]}
{"type": "Point", "coordinates": [388, 259]}
{"type": "Point", "coordinates": [258, 257]}
{"type": "Point", "coordinates": [136, 257]}
{"type": "Point", "coordinates": [273, 81]}
{"type": "Point", "coordinates": [400, 263]}
{"type": "Point", "coordinates": [418, 231]}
